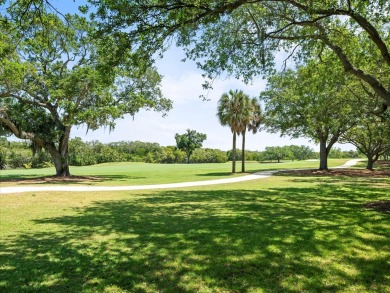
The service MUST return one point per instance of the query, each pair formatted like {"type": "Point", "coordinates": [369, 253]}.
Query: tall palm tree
{"type": "Point", "coordinates": [252, 121]}
{"type": "Point", "coordinates": [231, 112]}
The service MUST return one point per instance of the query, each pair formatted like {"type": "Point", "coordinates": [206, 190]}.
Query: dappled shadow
{"type": "Point", "coordinates": [337, 173]}
{"type": "Point", "coordinates": [347, 181]}
{"type": "Point", "coordinates": [382, 164]}
{"type": "Point", "coordinates": [85, 180]}
{"type": "Point", "coordinates": [276, 240]}
{"type": "Point", "coordinates": [380, 205]}
{"type": "Point", "coordinates": [17, 177]}
{"type": "Point", "coordinates": [216, 174]}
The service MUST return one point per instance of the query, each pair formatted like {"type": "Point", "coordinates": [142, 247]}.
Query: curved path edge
{"type": "Point", "coordinates": [257, 175]}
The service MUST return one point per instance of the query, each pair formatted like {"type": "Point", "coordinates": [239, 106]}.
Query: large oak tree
{"type": "Point", "coordinates": [54, 76]}
{"type": "Point", "coordinates": [311, 102]}
{"type": "Point", "coordinates": [371, 136]}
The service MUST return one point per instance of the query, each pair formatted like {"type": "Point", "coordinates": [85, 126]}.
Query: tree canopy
{"type": "Point", "coordinates": [241, 37]}
{"type": "Point", "coordinates": [55, 75]}
{"type": "Point", "coordinates": [371, 136]}
{"type": "Point", "coordinates": [189, 141]}
{"type": "Point", "coordinates": [312, 102]}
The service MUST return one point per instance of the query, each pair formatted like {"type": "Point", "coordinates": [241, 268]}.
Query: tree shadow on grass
{"type": "Point", "coordinates": [15, 177]}
{"type": "Point", "coordinates": [346, 181]}
{"type": "Point", "coordinates": [84, 180]}
{"type": "Point", "coordinates": [276, 240]}
{"type": "Point", "coordinates": [216, 174]}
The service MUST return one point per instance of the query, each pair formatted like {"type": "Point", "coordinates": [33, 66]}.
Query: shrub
{"type": "Point", "coordinates": [41, 160]}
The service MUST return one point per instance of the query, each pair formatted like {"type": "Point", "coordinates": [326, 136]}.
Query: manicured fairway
{"type": "Point", "coordinates": [280, 234]}
{"type": "Point", "coordinates": [142, 173]}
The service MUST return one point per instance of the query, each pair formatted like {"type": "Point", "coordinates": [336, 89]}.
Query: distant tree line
{"type": "Point", "coordinates": [16, 154]}
{"type": "Point", "coordinates": [20, 154]}
{"type": "Point", "coordinates": [291, 152]}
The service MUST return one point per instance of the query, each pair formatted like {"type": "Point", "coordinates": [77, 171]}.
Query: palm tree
{"type": "Point", "coordinates": [231, 112]}
{"type": "Point", "coordinates": [252, 121]}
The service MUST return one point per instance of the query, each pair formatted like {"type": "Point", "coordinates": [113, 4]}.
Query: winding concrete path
{"type": "Point", "coordinates": [64, 188]}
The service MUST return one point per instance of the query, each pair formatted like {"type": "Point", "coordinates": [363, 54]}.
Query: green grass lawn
{"type": "Point", "coordinates": [280, 234]}
{"type": "Point", "coordinates": [142, 173]}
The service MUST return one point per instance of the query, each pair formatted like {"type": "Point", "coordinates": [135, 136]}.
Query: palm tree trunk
{"type": "Point", "coordinates": [234, 153]}
{"type": "Point", "coordinates": [243, 153]}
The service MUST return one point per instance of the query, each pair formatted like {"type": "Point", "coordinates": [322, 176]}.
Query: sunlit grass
{"type": "Point", "coordinates": [280, 234]}
{"type": "Point", "coordinates": [143, 173]}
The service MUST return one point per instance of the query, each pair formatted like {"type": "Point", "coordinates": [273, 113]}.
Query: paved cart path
{"type": "Point", "coordinates": [63, 188]}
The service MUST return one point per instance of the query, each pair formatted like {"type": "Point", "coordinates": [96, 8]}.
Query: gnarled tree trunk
{"type": "Point", "coordinates": [60, 154]}
{"type": "Point", "coordinates": [61, 163]}
{"type": "Point", "coordinates": [370, 163]}
{"type": "Point", "coordinates": [371, 160]}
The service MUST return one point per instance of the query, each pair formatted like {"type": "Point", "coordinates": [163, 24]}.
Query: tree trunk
{"type": "Point", "coordinates": [60, 156]}
{"type": "Point", "coordinates": [370, 163]}
{"type": "Point", "coordinates": [323, 155]}
{"type": "Point", "coordinates": [61, 163]}
{"type": "Point", "coordinates": [243, 153]}
{"type": "Point", "coordinates": [234, 153]}
{"type": "Point", "coordinates": [372, 160]}
{"type": "Point", "coordinates": [188, 157]}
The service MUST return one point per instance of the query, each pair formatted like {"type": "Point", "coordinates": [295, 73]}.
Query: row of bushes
{"type": "Point", "coordinates": [16, 159]}
{"type": "Point", "coordinates": [19, 154]}
{"type": "Point", "coordinates": [94, 152]}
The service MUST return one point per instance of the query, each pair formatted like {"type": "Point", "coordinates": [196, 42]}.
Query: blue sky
{"type": "Point", "coordinates": [182, 83]}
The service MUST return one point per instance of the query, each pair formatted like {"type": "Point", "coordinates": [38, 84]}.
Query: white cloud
{"type": "Point", "coordinates": [183, 89]}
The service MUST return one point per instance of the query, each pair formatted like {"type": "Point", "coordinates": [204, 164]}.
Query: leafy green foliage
{"type": "Point", "coordinates": [134, 151]}
{"type": "Point", "coordinates": [301, 152]}
{"type": "Point", "coordinates": [189, 141]}
{"type": "Point", "coordinates": [371, 136]}
{"type": "Point", "coordinates": [276, 153]}
{"type": "Point", "coordinates": [312, 101]}
{"type": "Point", "coordinates": [56, 75]}
{"type": "Point", "coordinates": [338, 153]}
{"type": "Point", "coordinates": [94, 152]}
{"type": "Point", "coordinates": [241, 38]}
{"type": "Point", "coordinates": [19, 154]}
{"type": "Point", "coordinates": [166, 155]}
{"type": "Point", "coordinates": [208, 155]}
{"type": "Point", "coordinates": [14, 155]}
